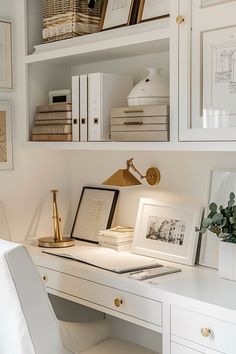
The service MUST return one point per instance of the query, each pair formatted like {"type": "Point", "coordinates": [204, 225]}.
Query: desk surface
{"type": "Point", "coordinates": [199, 284]}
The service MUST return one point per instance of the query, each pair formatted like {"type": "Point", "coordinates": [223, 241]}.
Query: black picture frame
{"type": "Point", "coordinates": [95, 212]}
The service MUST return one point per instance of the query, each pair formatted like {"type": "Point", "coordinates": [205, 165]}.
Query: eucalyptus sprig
{"type": "Point", "coordinates": [221, 221]}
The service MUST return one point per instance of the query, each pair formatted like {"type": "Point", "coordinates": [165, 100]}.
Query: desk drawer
{"type": "Point", "coordinates": [114, 299]}
{"type": "Point", "coordinates": [203, 330]}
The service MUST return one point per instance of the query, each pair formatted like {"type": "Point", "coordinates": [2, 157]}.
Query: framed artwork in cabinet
{"type": "Point", "coordinates": [167, 231]}
{"type": "Point", "coordinates": [5, 55]}
{"type": "Point", "coordinates": [116, 13]}
{"type": "Point", "coordinates": [208, 88]}
{"type": "Point", "coordinates": [153, 9]}
{"type": "Point", "coordinates": [5, 136]}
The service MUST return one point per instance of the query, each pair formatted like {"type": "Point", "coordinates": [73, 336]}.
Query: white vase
{"type": "Point", "coordinates": [227, 260]}
{"type": "Point", "coordinates": [154, 89]}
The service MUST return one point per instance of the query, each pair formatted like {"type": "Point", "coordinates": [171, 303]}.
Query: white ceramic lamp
{"type": "Point", "coordinates": [154, 89]}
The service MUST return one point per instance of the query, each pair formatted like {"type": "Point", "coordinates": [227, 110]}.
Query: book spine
{"type": "Point", "coordinates": [53, 122]}
{"type": "Point", "coordinates": [83, 107]}
{"type": "Point", "coordinates": [54, 107]}
{"type": "Point", "coordinates": [75, 108]}
{"type": "Point", "coordinates": [94, 107]}
{"type": "Point", "coordinates": [52, 129]}
{"type": "Point", "coordinates": [53, 115]}
{"type": "Point", "coordinates": [51, 137]}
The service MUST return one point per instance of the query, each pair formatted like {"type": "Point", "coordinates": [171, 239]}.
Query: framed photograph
{"type": "Point", "coordinates": [167, 231]}
{"type": "Point", "coordinates": [5, 136]}
{"type": "Point", "coordinates": [95, 212]}
{"type": "Point", "coordinates": [5, 55]}
{"type": "Point", "coordinates": [116, 13]}
{"type": "Point", "coordinates": [153, 9]}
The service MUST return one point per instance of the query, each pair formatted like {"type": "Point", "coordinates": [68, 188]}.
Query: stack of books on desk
{"type": "Point", "coordinates": [118, 238]}
{"type": "Point", "coordinates": [53, 122]}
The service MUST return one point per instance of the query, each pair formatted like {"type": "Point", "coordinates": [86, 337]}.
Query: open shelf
{"type": "Point", "coordinates": [122, 42]}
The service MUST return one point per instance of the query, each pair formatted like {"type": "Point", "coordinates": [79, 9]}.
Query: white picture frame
{"type": "Point", "coordinates": [153, 9]}
{"type": "Point", "coordinates": [6, 150]}
{"type": "Point", "coordinates": [116, 13]}
{"type": "Point", "coordinates": [5, 55]}
{"type": "Point", "coordinates": [167, 231]}
{"type": "Point", "coordinates": [95, 212]}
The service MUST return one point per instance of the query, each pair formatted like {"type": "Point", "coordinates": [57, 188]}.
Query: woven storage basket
{"type": "Point", "coordinates": [70, 18]}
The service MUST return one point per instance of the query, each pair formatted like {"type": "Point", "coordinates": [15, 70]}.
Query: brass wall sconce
{"type": "Point", "coordinates": [123, 177]}
{"type": "Point", "coordinates": [56, 241]}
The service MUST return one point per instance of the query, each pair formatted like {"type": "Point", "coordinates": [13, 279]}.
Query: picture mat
{"type": "Point", "coordinates": [94, 213]}
{"type": "Point", "coordinates": [189, 214]}
{"type": "Point", "coordinates": [222, 183]}
{"type": "Point", "coordinates": [5, 55]}
{"type": "Point", "coordinates": [117, 13]}
{"type": "Point", "coordinates": [219, 78]}
{"type": "Point", "coordinates": [155, 8]}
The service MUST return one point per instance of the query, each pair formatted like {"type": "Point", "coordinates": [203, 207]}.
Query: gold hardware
{"type": "Point", "coordinates": [57, 240]}
{"type": "Point", "coordinates": [205, 332]}
{"type": "Point", "coordinates": [118, 302]}
{"type": "Point", "coordinates": [133, 111]}
{"type": "Point", "coordinates": [179, 19]}
{"type": "Point", "coordinates": [133, 123]}
{"type": "Point", "coordinates": [123, 177]}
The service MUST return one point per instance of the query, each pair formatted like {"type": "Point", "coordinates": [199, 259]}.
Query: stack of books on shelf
{"type": "Point", "coordinates": [118, 238]}
{"type": "Point", "coordinates": [53, 122]}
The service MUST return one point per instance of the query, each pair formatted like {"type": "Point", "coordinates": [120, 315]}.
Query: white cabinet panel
{"type": "Point", "coordinates": [208, 51]}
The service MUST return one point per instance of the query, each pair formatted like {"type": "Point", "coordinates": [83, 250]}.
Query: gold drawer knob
{"type": "Point", "coordinates": [205, 332]}
{"type": "Point", "coordinates": [179, 19]}
{"type": "Point", "coordinates": [118, 302]}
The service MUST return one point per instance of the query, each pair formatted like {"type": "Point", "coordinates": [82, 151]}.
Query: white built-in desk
{"type": "Point", "coordinates": [195, 310]}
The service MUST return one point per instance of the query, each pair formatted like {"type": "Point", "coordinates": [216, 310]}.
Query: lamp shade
{"type": "Point", "coordinates": [122, 178]}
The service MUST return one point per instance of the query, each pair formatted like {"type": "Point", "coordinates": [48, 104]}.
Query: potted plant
{"type": "Point", "coordinates": [222, 222]}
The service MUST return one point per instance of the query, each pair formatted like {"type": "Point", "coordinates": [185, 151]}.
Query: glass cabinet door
{"type": "Point", "coordinates": [207, 70]}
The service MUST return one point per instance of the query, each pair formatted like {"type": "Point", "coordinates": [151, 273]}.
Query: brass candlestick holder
{"type": "Point", "coordinates": [56, 241]}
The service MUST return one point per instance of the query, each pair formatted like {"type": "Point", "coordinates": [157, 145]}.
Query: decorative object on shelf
{"type": "Point", "coordinates": [222, 222]}
{"type": "Point", "coordinates": [57, 240]}
{"type": "Point", "coordinates": [118, 13]}
{"type": "Point", "coordinates": [59, 96]}
{"type": "Point", "coordinates": [124, 178]}
{"type": "Point", "coordinates": [66, 19]}
{"type": "Point", "coordinates": [153, 9]}
{"type": "Point", "coordinates": [53, 122]}
{"type": "Point", "coordinates": [152, 90]}
{"type": "Point", "coordinates": [95, 212]}
{"type": "Point", "coordinates": [140, 123]}
{"type": "Point", "coordinates": [5, 55]}
{"type": "Point", "coordinates": [166, 230]}
{"type": "Point", "coordinates": [6, 151]}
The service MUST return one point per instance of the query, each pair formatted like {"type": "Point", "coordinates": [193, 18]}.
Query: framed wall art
{"type": "Point", "coordinates": [5, 136]}
{"type": "Point", "coordinates": [116, 13]}
{"type": "Point", "coordinates": [167, 231]}
{"type": "Point", "coordinates": [5, 55]}
{"type": "Point", "coordinates": [95, 212]}
{"type": "Point", "coordinates": [152, 9]}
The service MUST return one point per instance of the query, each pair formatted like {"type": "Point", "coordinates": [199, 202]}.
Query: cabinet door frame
{"type": "Point", "coordinates": [205, 19]}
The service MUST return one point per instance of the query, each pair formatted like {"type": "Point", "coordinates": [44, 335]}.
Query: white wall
{"type": "Point", "coordinates": [25, 191]}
